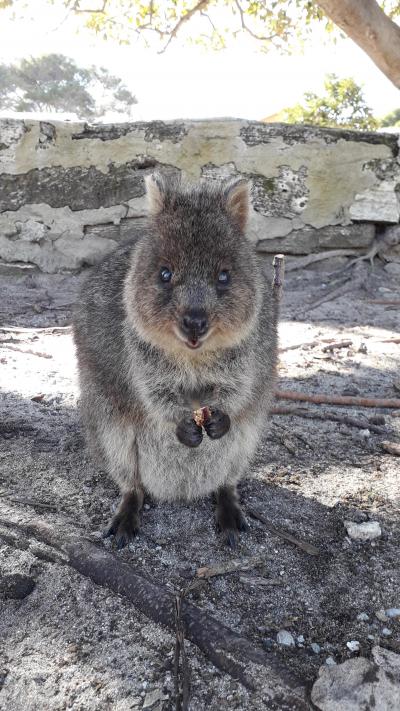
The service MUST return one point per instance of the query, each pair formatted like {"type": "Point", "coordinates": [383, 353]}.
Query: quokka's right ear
{"type": "Point", "coordinates": [155, 191]}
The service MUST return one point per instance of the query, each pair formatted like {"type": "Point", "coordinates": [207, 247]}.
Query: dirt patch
{"type": "Point", "coordinates": [69, 644]}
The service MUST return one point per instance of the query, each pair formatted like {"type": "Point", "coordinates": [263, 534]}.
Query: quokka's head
{"type": "Point", "coordinates": [194, 284]}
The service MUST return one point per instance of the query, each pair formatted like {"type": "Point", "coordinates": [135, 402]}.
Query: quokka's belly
{"type": "Point", "coordinates": [169, 470]}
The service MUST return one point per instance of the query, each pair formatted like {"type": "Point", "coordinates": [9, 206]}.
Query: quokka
{"type": "Point", "coordinates": [181, 317]}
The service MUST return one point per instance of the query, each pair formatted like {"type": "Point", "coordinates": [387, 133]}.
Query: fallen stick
{"type": "Point", "coordinates": [25, 350]}
{"type": "Point", "coordinates": [337, 344]}
{"type": "Point", "coordinates": [302, 262]}
{"type": "Point", "coordinates": [334, 293]}
{"type": "Point", "coordinates": [330, 416]}
{"type": "Point", "coordinates": [391, 448]}
{"type": "Point", "coordinates": [261, 582]}
{"type": "Point", "coordinates": [307, 344]}
{"type": "Point", "coordinates": [307, 547]}
{"type": "Point", "coordinates": [384, 302]}
{"type": "Point", "coordinates": [322, 399]}
{"type": "Point", "coordinates": [39, 329]}
{"type": "Point", "coordinates": [228, 650]}
{"type": "Point", "coordinates": [231, 566]}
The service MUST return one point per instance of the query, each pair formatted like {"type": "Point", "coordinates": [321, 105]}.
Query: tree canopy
{"type": "Point", "coordinates": [55, 83]}
{"type": "Point", "coordinates": [342, 105]}
{"type": "Point", "coordinates": [392, 119]}
{"type": "Point", "coordinates": [280, 23]}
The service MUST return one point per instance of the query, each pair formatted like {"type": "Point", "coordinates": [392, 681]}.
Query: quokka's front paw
{"type": "Point", "coordinates": [189, 433]}
{"type": "Point", "coordinates": [218, 424]}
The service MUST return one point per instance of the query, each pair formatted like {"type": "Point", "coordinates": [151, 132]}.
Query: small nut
{"type": "Point", "coordinates": [201, 416]}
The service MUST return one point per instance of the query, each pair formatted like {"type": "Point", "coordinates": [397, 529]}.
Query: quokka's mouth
{"type": "Point", "coordinates": [193, 343]}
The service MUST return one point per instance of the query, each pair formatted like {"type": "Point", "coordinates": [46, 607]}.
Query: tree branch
{"type": "Point", "coordinates": [248, 30]}
{"type": "Point", "coordinates": [369, 27]}
{"type": "Point", "coordinates": [228, 650]}
{"type": "Point", "coordinates": [202, 5]}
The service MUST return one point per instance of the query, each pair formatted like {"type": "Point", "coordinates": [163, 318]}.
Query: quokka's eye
{"type": "Point", "coordinates": [223, 278]}
{"type": "Point", "coordinates": [165, 275]}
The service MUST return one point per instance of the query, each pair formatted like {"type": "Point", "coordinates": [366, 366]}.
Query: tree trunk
{"type": "Point", "coordinates": [368, 26]}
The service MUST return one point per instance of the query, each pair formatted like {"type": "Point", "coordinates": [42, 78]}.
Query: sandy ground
{"type": "Point", "coordinates": [70, 644]}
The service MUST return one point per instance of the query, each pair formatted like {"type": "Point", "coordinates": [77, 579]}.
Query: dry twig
{"type": "Point", "coordinates": [337, 344]}
{"type": "Point", "coordinates": [25, 350]}
{"type": "Point", "coordinates": [231, 566]}
{"type": "Point", "coordinates": [362, 424]}
{"type": "Point", "coordinates": [391, 448]}
{"type": "Point", "coordinates": [302, 262]}
{"type": "Point", "coordinates": [33, 329]}
{"type": "Point", "coordinates": [322, 399]}
{"type": "Point", "coordinates": [307, 547]}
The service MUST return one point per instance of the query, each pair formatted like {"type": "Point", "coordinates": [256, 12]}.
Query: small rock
{"type": "Point", "coordinates": [315, 648]}
{"type": "Point", "coordinates": [153, 700]}
{"type": "Point", "coordinates": [362, 617]}
{"type": "Point", "coordinates": [381, 615]}
{"type": "Point", "coordinates": [366, 531]}
{"type": "Point", "coordinates": [354, 646]}
{"type": "Point", "coordinates": [393, 612]}
{"type": "Point", "coordinates": [285, 638]}
{"type": "Point", "coordinates": [359, 684]}
{"type": "Point", "coordinates": [392, 268]}
{"type": "Point", "coordinates": [330, 662]}
{"type": "Point", "coordinates": [387, 632]}
{"type": "Point", "coordinates": [364, 434]}
{"type": "Point", "coordinates": [16, 586]}
{"type": "Point", "coordinates": [300, 639]}
{"type": "Point", "coordinates": [363, 348]}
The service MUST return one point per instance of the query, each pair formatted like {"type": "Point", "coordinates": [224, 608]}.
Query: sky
{"type": "Point", "coordinates": [191, 82]}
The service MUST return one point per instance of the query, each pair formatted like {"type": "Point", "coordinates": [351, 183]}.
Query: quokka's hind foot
{"type": "Point", "coordinates": [229, 516]}
{"type": "Point", "coordinates": [125, 525]}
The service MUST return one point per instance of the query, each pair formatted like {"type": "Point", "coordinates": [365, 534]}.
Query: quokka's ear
{"type": "Point", "coordinates": [237, 201]}
{"type": "Point", "coordinates": [155, 191]}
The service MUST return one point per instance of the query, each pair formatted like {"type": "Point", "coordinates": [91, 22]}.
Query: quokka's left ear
{"type": "Point", "coordinates": [237, 201]}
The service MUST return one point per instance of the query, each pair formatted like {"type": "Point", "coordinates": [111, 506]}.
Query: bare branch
{"type": "Point", "coordinates": [248, 30]}
{"type": "Point", "coordinates": [202, 5]}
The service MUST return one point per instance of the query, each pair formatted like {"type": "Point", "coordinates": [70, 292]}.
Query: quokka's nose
{"type": "Point", "coordinates": [194, 323]}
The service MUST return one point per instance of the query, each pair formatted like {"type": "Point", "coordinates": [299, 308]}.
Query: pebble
{"type": "Point", "coordinates": [285, 638]}
{"type": "Point", "coordinates": [364, 435]}
{"type": "Point", "coordinates": [152, 697]}
{"type": "Point", "coordinates": [393, 612]}
{"type": "Point", "coordinates": [330, 662]}
{"type": "Point", "coordinates": [315, 648]}
{"type": "Point", "coordinates": [387, 632]}
{"type": "Point", "coordinates": [354, 646]}
{"type": "Point", "coordinates": [381, 615]}
{"type": "Point", "coordinates": [365, 531]}
{"type": "Point", "coordinates": [300, 639]}
{"type": "Point", "coordinates": [362, 617]}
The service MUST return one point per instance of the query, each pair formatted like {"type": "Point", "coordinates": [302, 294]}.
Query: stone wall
{"type": "Point", "coordinates": [70, 192]}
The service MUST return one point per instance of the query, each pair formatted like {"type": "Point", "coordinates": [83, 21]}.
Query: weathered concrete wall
{"type": "Point", "coordinates": [70, 192]}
